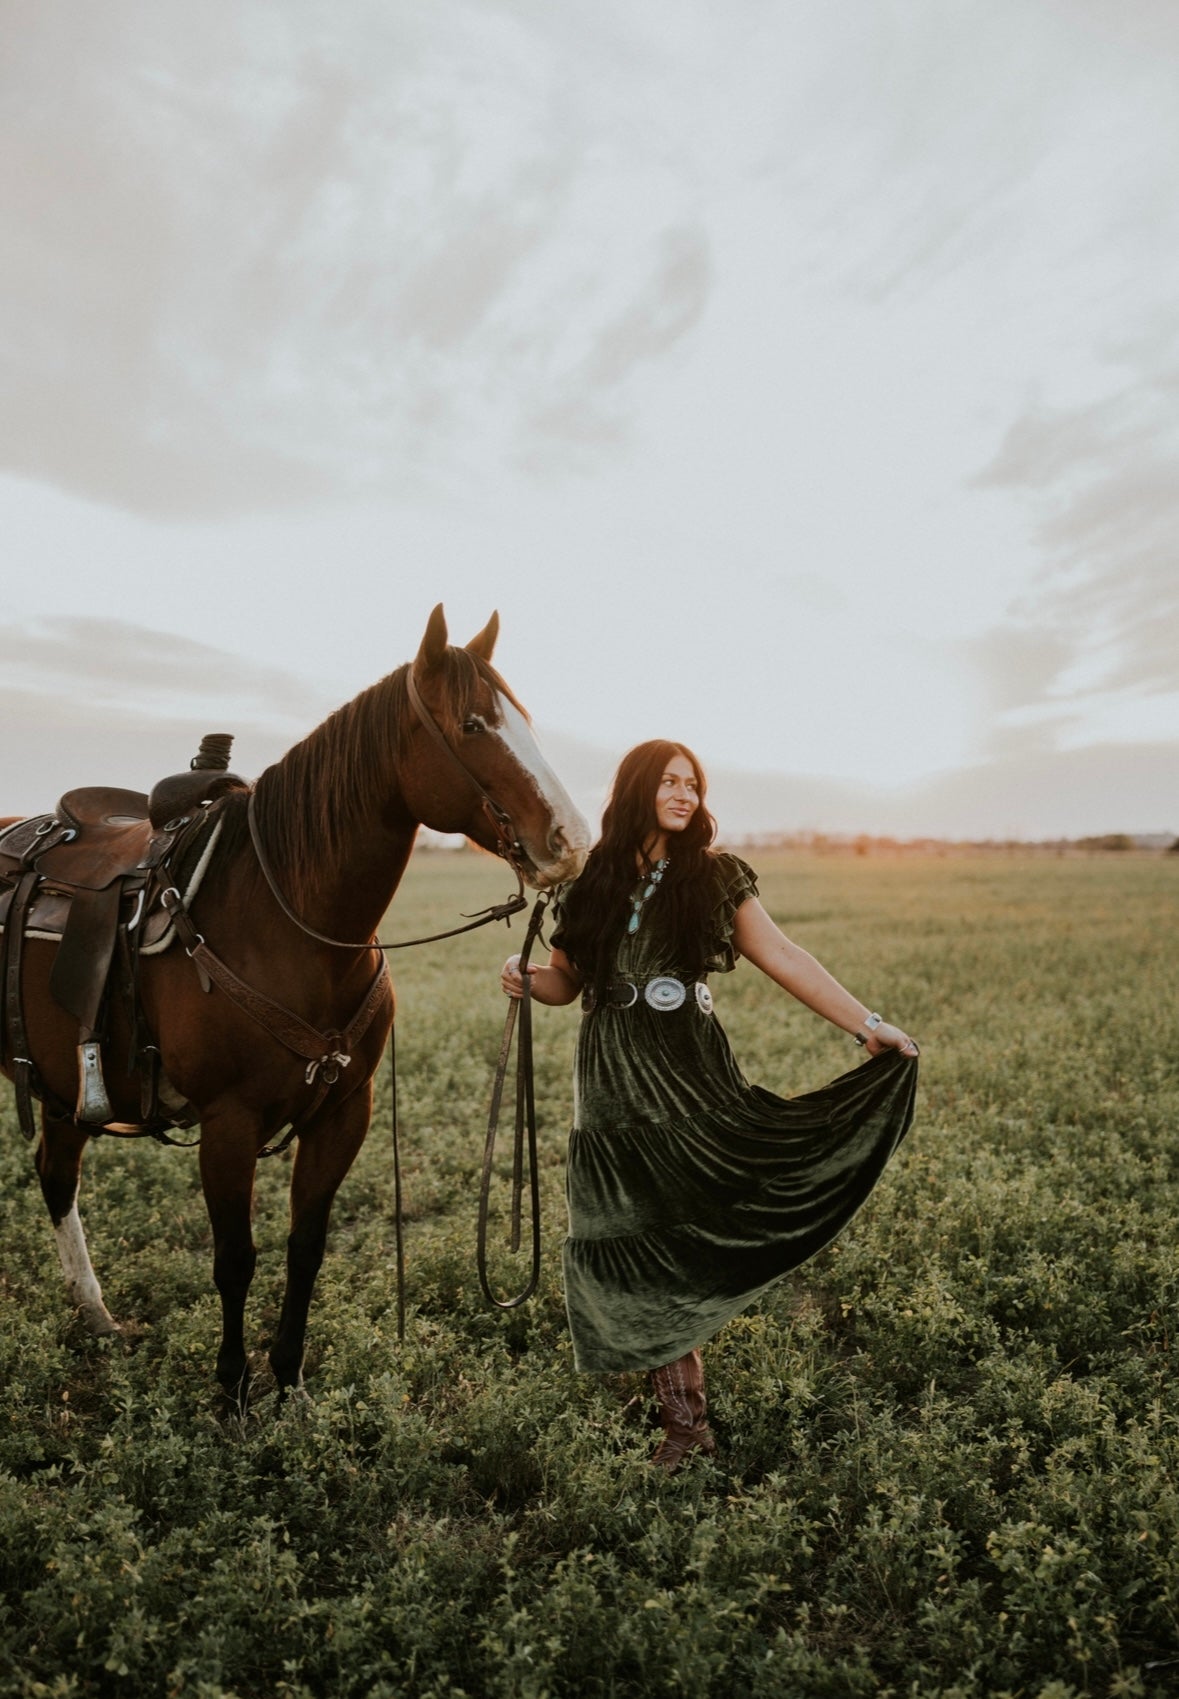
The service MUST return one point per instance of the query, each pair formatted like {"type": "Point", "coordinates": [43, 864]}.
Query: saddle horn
{"type": "Point", "coordinates": [206, 779]}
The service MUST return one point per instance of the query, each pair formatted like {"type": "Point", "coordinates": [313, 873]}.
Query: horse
{"type": "Point", "coordinates": [306, 864]}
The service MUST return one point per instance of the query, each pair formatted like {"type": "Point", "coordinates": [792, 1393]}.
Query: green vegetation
{"type": "Point", "coordinates": [949, 1445]}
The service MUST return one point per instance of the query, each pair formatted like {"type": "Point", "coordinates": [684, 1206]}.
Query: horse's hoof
{"type": "Point", "coordinates": [98, 1321]}
{"type": "Point", "coordinates": [291, 1392]}
{"type": "Point", "coordinates": [287, 1372]}
{"type": "Point", "coordinates": [293, 1405]}
{"type": "Point", "coordinates": [233, 1411]}
{"type": "Point", "coordinates": [235, 1393]}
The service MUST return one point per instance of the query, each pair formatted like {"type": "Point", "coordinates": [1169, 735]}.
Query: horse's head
{"type": "Point", "coordinates": [492, 768]}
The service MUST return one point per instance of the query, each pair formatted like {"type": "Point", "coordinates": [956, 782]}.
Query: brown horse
{"type": "Point", "coordinates": [337, 817]}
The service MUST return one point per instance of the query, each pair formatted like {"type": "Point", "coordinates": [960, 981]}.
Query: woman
{"type": "Point", "coordinates": [691, 1191]}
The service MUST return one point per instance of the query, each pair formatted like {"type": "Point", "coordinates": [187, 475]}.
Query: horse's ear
{"type": "Point", "coordinates": [483, 645]}
{"type": "Point", "coordinates": [433, 643]}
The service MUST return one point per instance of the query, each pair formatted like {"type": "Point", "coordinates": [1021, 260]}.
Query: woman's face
{"type": "Point", "coordinates": [677, 796]}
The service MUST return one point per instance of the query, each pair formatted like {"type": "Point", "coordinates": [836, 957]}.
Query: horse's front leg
{"type": "Point", "coordinates": [327, 1149]}
{"type": "Point", "coordinates": [59, 1166]}
{"type": "Point", "coordinates": [228, 1160]}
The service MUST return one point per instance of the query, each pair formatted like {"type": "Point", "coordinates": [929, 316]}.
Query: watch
{"type": "Point", "coordinates": [868, 1028]}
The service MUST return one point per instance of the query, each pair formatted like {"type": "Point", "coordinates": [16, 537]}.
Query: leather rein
{"type": "Point", "coordinates": [525, 1123]}
{"type": "Point", "coordinates": [327, 1053]}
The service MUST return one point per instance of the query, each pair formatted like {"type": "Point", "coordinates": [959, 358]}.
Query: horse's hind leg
{"type": "Point", "coordinates": [326, 1151]}
{"type": "Point", "coordinates": [59, 1165]}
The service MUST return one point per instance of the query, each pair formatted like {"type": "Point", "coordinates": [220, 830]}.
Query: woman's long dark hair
{"type": "Point", "coordinates": [597, 906]}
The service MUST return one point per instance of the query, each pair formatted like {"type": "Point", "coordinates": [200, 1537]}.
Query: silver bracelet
{"type": "Point", "coordinates": [868, 1028]}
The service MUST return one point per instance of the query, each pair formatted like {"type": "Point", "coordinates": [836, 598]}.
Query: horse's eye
{"type": "Point", "coordinates": [472, 725]}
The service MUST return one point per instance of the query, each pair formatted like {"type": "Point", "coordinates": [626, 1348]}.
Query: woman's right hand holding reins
{"type": "Point", "coordinates": [511, 980]}
{"type": "Point", "coordinates": [552, 982]}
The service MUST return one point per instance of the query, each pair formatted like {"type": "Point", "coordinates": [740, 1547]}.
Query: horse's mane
{"type": "Point", "coordinates": [338, 779]}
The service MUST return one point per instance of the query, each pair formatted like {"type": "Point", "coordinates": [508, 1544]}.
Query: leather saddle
{"type": "Point", "coordinates": [91, 875]}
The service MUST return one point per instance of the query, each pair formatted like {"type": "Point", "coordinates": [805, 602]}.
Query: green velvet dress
{"type": "Point", "coordinates": [691, 1191]}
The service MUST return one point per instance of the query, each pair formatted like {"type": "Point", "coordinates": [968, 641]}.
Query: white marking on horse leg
{"type": "Point", "coordinates": [518, 738]}
{"type": "Point", "coordinates": [81, 1280]}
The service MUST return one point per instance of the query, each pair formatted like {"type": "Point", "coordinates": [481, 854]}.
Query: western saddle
{"type": "Point", "coordinates": [93, 875]}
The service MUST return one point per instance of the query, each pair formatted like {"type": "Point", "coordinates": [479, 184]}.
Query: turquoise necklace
{"type": "Point", "coordinates": [646, 891]}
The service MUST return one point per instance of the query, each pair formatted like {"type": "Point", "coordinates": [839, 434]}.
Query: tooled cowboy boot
{"type": "Point", "coordinates": [679, 1387]}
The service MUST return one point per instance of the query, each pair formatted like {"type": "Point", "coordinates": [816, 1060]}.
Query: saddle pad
{"type": "Point", "coordinates": [159, 934]}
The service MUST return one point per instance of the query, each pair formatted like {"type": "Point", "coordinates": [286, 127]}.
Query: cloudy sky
{"type": "Point", "coordinates": [798, 379]}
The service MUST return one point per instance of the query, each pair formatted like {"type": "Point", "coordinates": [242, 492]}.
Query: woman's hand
{"type": "Point", "coordinates": [888, 1037]}
{"type": "Point", "coordinates": [511, 980]}
{"type": "Point", "coordinates": [555, 982]}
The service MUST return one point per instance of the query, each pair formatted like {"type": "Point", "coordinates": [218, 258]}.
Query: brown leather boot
{"type": "Point", "coordinates": [679, 1387]}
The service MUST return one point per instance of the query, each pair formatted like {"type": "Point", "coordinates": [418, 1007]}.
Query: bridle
{"type": "Point", "coordinates": [508, 846]}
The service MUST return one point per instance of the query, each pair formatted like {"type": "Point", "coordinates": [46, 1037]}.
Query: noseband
{"type": "Point", "coordinates": [508, 846]}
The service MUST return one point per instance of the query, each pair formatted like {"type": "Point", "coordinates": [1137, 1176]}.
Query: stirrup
{"type": "Point", "coordinates": [94, 1106]}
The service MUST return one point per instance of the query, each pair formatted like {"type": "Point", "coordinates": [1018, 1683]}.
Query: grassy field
{"type": "Point", "coordinates": [948, 1446]}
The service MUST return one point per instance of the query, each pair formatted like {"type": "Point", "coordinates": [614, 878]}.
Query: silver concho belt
{"type": "Point", "coordinates": [663, 994]}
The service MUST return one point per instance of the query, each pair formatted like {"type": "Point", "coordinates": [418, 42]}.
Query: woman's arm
{"type": "Point", "coordinates": [558, 982]}
{"type": "Point", "coordinates": [791, 967]}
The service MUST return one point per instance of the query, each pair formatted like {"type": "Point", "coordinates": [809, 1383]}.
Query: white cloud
{"type": "Point", "coordinates": [1101, 479]}
{"type": "Point", "coordinates": [262, 257]}
{"type": "Point", "coordinates": [677, 331]}
{"type": "Point", "coordinates": [53, 742]}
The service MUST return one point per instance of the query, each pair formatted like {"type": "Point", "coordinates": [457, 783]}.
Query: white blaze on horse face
{"type": "Point", "coordinates": [85, 1292]}
{"type": "Point", "coordinates": [563, 857]}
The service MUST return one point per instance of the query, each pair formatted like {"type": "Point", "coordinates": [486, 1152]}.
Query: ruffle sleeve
{"type": "Point", "coordinates": [557, 914]}
{"type": "Point", "coordinates": [735, 883]}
